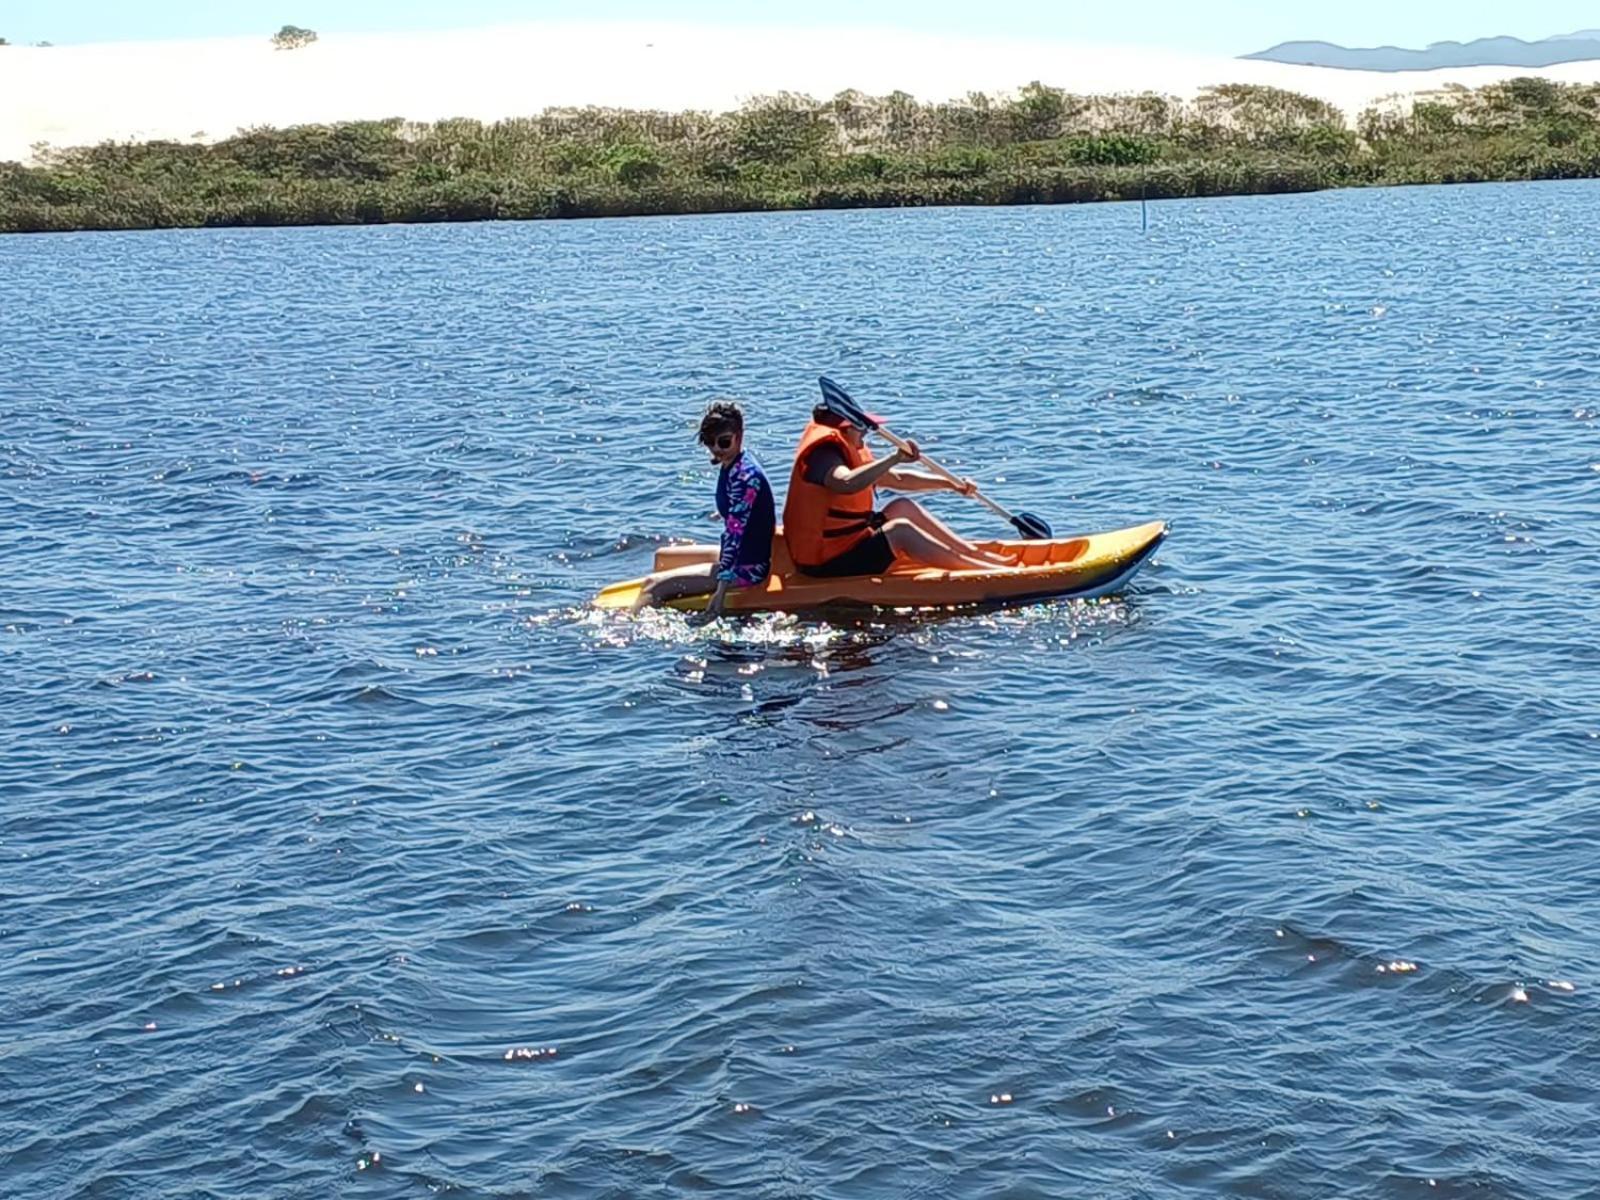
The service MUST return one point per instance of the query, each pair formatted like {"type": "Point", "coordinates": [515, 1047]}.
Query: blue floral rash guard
{"type": "Point", "coordinates": [744, 502]}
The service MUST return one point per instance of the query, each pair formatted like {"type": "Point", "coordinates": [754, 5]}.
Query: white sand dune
{"type": "Point", "coordinates": [76, 95]}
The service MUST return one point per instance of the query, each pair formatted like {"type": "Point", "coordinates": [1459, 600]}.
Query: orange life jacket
{"type": "Point", "coordinates": [819, 524]}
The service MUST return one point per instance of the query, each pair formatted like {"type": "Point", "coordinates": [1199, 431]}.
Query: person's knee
{"type": "Point", "coordinates": [898, 530]}
{"type": "Point", "coordinates": [900, 507]}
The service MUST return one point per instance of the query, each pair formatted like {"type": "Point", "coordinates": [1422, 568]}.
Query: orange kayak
{"type": "Point", "coordinates": [1083, 567]}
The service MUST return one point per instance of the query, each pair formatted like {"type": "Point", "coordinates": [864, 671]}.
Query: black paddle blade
{"type": "Point", "coordinates": [837, 401]}
{"type": "Point", "coordinates": [1035, 529]}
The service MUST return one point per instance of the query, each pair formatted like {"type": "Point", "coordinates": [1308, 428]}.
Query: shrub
{"type": "Point", "coordinates": [1036, 114]}
{"type": "Point", "coordinates": [1529, 91]}
{"type": "Point", "coordinates": [869, 164]}
{"type": "Point", "coordinates": [292, 37]}
{"type": "Point", "coordinates": [1112, 150]}
{"type": "Point", "coordinates": [350, 150]}
{"type": "Point", "coordinates": [634, 166]}
{"type": "Point", "coordinates": [957, 162]}
{"type": "Point", "coordinates": [719, 170]}
{"type": "Point", "coordinates": [572, 157]}
{"type": "Point", "coordinates": [780, 129]}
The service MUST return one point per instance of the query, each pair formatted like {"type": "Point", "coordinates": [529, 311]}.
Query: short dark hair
{"type": "Point", "coordinates": [724, 416]}
{"type": "Point", "coordinates": [823, 415]}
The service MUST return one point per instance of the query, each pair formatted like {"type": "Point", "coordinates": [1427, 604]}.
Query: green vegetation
{"type": "Point", "coordinates": [292, 37]}
{"type": "Point", "coordinates": [1044, 146]}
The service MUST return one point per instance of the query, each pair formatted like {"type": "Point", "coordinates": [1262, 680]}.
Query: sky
{"type": "Point", "coordinates": [1217, 27]}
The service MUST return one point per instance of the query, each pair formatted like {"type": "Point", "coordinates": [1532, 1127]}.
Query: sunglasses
{"type": "Point", "coordinates": [723, 442]}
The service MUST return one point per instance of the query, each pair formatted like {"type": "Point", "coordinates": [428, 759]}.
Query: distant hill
{"type": "Point", "coordinates": [1484, 52]}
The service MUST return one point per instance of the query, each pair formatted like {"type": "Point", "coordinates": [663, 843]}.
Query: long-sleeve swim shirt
{"type": "Point", "coordinates": [744, 502]}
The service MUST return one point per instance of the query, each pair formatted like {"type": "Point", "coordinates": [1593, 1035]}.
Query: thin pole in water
{"type": "Point", "coordinates": [1144, 213]}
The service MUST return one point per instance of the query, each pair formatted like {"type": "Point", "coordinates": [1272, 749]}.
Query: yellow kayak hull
{"type": "Point", "coordinates": [1081, 567]}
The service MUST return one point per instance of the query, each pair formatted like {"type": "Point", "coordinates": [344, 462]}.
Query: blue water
{"type": "Point", "coordinates": [344, 852]}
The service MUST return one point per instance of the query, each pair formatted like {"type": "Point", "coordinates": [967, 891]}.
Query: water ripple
{"type": "Point", "coordinates": [344, 850]}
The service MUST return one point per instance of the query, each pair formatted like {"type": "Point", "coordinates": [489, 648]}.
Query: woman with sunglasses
{"type": "Point", "coordinates": [744, 502]}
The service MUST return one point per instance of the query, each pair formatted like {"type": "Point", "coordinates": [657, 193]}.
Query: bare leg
{"type": "Point", "coordinates": [698, 579]}
{"type": "Point", "coordinates": [901, 509]}
{"type": "Point", "coordinates": [911, 541]}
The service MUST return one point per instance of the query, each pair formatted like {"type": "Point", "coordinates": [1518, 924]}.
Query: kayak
{"type": "Point", "coordinates": [1082, 568]}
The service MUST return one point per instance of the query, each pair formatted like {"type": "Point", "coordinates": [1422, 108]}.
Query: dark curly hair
{"type": "Point", "coordinates": [724, 416]}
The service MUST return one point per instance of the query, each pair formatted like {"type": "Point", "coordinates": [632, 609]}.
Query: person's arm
{"type": "Point", "coordinates": [916, 481]}
{"type": "Point", "coordinates": [845, 480]}
{"type": "Point", "coordinates": [714, 605]}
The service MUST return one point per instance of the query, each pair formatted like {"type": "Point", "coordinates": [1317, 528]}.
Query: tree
{"type": "Point", "coordinates": [292, 37]}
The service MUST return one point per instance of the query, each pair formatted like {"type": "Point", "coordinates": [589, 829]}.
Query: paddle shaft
{"type": "Point", "coordinates": [899, 443]}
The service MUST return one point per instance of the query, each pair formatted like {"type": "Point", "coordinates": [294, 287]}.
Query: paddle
{"type": "Point", "coordinates": [837, 401]}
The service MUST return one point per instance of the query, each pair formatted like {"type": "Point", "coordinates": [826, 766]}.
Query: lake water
{"type": "Point", "coordinates": [344, 852]}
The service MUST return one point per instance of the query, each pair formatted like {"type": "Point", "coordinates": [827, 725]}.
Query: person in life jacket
{"type": "Point", "coordinates": [745, 505]}
{"type": "Point", "coordinates": [832, 524]}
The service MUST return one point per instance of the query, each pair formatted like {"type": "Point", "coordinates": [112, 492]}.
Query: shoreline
{"type": "Point", "coordinates": [647, 213]}
{"type": "Point", "coordinates": [42, 234]}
